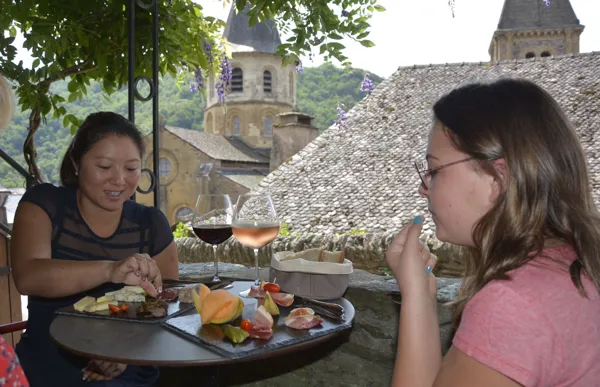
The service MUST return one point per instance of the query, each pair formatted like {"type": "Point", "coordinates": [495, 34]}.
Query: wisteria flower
{"type": "Point", "coordinates": [345, 13]}
{"type": "Point", "coordinates": [208, 51]}
{"type": "Point", "coordinates": [223, 85]}
{"type": "Point", "coordinates": [547, 2]}
{"type": "Point", "coordinates": [299, 67]}
{"type": "Point", "coordinates": [341, 116]}
{"type": "Point", "coordinates": [367, 85]}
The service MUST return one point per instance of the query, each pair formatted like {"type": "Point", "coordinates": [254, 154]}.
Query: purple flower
{"type": "Point", "coordinates": [199, 77]}
{"type": "Point", "coordinates": [341, 116]}
{"type": "Point", "coordinates": [299, 67]}
{"type": "Point", "coordinates": [224, 83]}
{"type": "Point", "coordinates": [208, 51]}
{"type": "Point", "coordinates": [547, 2]}
{"type": "Point", "coordinates": [345, 13]}
{"type": "Point", "coordinates": [367, 85]}
{"type": "Point", "coordinates": [193, 87]}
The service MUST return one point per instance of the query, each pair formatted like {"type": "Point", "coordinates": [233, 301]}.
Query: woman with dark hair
{"type": "Point", "coordinates": [90, 238]}
{"type": "Point", "coordinates": [506, 179]}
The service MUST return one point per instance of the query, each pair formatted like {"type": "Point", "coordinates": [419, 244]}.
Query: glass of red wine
{"type": "Point", "coordinates": [212, 222]}
{"type": "Point", "coordinates": [255, 223]}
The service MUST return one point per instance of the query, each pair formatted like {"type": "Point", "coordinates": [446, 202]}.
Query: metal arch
{"type": "Point", "coordinates": [137, 92]}
{"type": "Point", "coordinates": [152, 182]}
{"type": "Point", "coordinates": [153, 82]}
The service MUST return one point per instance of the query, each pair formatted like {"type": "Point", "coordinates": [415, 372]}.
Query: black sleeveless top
{"type": "Point", "coordinates": [142, 230]}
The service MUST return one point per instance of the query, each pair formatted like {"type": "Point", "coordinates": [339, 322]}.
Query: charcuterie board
{"type": "Point", "coordinates": [189, 326]}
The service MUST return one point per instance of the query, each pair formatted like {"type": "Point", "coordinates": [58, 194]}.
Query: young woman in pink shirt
{"type": "Point", "coordinates": [506, 179]}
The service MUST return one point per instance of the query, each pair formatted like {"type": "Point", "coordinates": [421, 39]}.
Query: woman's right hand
{"type": "Point", "coordinates": [139, 269]}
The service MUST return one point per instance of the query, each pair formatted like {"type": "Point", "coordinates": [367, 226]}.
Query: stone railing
{"type": "Point", "coordinates": [365, 357]}
{"type": "Point", "coordinates": [365, 251]}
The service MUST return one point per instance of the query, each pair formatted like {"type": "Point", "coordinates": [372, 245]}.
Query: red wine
{"type": "Point", "coordinates": [213, 234]}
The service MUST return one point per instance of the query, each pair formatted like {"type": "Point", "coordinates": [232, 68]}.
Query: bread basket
{"type": "Point", "coordinates": [313, 273]}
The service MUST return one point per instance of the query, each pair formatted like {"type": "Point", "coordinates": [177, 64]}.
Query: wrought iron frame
{"type": "Point", "coordinates": [152, 95]}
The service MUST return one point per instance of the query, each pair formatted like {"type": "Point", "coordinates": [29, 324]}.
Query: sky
{"type": "Point", "coordinates": [424, 32]}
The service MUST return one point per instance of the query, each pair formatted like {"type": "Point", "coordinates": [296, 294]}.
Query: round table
{"type": "Point", "coordinates": [153, 344]}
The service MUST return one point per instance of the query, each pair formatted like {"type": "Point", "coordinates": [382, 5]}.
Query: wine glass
{"type": "Point", "coordinates": [255, 223]}
{"type": "Point", "coordinates": [212, 222]}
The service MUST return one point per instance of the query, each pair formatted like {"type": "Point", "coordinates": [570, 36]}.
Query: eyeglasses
{"type": "Point", "coordinates": [425, 173]}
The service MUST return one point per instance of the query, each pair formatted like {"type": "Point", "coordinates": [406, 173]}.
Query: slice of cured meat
{"type": "Point", "coordinates": [256, 292]}
{"type": "Point", "coordinates": [262, 319]}
{"type": "Point", "coordinates": [302, 318]}
{"type": "Point", "coordinates": [282, 299]}
{"type": "Point", "coordinates": [263, 333]}
{"type": "Point", "coordinates": [168, 295]}
{"type": "Point", "coordinates": [152, 308]}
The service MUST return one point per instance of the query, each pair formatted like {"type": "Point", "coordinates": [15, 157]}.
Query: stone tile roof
{"type": "Point", "coordinates": [361, 176]}
{"type": "Point", "coordinates": [525, 14]}
{"type": "Point", "coordinates": [245, 178]}
{"type": "Point", "coordinates": [261, 37]}
{"type": "Point", "coordinates": [216, 146]}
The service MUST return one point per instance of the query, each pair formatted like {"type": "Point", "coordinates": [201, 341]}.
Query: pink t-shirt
{"type": "Point", "coordinates": [536, 329]}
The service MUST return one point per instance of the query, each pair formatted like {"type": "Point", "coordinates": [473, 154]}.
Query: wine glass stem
{"type": "Point", "coordinates": [257, 280]}
{"type": "Point", "coordinates": [216, 277]}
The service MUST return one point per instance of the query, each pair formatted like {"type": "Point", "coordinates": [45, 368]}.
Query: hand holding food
{"type": "Point", "coordinates": [139, 269]}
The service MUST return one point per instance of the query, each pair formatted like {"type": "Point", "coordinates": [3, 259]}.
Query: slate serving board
{"type": "Point", "coordinates": [175, 308]}
{"type": "Point", "coordinates": [211, 335]}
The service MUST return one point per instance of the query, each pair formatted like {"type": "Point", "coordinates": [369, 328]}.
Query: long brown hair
{"type": "Point", "coordinates": [546, 193]}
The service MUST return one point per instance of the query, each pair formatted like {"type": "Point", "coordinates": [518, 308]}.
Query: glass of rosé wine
{"type": "Point", "coordinates": [255, 223]}
{"type": "Point", "coordinates": [212, 222]}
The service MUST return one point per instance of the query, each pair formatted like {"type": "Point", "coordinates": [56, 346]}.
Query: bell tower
{"type": "Point", "coordinates": [260, 87]}
{"type": "Point", "coordinates": [530, 28]}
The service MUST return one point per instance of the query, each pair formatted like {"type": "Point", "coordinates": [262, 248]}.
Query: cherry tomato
{"type": "Point", "coordinates": [114, 308]}
{"type": "Point", "coordinates": [124, 306]}
{"type": "Point", "coordinates": [272, 288]}
{"type": "Point", "coordinates": [246, 325]}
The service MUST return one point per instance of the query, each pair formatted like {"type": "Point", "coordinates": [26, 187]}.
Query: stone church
{"type": "Point", "coordinates": [530, 29]}
{"type": "Point", "coordinates": [260, 128]}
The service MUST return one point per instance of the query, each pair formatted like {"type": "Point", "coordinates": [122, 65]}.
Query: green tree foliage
{"type": "Point", "coordinates": [319, 90]}
{"type": "Point", "coordinates": [87, 40]}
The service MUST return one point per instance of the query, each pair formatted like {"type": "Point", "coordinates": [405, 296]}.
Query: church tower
{"type": "Point", "coordinates": [530, 28]}
{"type": "Point", "coordinates": [260, 87]}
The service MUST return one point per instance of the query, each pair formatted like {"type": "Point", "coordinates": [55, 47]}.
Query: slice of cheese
{"type": "Point", "coordinates": [105, 298]}
{"type": "Point", "coordinates": [134, 289]}
{"type": "Point", "coordinates": [84, 303]}
{"type": "Point", "coordinates": [100, 306]}
{"type": "Point", "coordinates": [128, 296]}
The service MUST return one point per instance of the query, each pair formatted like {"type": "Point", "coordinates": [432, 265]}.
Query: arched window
{"type": "Point", "coordinates": [237, 80]}
{"type": "Point", "coordinates": [236, 126]}
{"type": "Point", "coordinates": [291, 85]}
{"type": "Point", "coordinates": [545, 54]}
{"type": "Point", "coordinates": [164, 167]}
{"type": "Point", "coordinates": [529, 55]}
{"type": "Point", "coordinates": [183, 212]}
{"type": "Point", "coordinates": [267, 82]}
{"type": "Point", "coordinates": [268, 126]}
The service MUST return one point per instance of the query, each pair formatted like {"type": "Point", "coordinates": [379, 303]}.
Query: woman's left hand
{"type": "Point", "coordinates": [102, 370]}
{"type": "Point", "coordinates": [411, 262]}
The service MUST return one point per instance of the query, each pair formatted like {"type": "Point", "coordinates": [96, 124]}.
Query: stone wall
{"type": "Point", "coordinates": [365, 251]}
{"type": "Point", "coordinates": [363, 357]}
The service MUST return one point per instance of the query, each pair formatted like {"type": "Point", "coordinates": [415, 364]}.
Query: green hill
{"type": "Point", "coordinates": [320, 89]}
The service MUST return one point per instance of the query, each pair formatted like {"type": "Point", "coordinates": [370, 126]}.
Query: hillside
{"type": "Point", "coordinates": [320, 89]}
